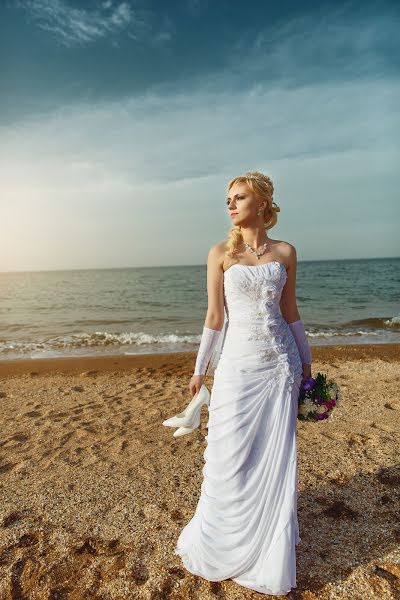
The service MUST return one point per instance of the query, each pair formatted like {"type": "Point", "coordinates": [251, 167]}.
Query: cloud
{"type": "Point", "coordinates": [99, 183]}
{"type": "Point", "coordinates": [80, 26]}
{"type": "Point", "coordinates": [170, 135]}
{"type": "Point", "coordinates": [342, 43]}
{"type": "Point", "coordinates": [201, 134]}
{"type": "Point", "coordinates": [106, 179]}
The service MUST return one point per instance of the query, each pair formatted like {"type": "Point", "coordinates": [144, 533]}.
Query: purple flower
{"type": "Point", "coordinates": [308, 384]}
{"type": "Point", "coordinates": [321, 416]}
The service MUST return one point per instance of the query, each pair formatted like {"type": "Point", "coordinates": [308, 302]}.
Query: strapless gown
{"type": "Point", "coordinates": [245, 525]}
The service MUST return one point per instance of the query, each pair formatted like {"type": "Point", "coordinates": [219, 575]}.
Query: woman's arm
{"type": "Point", "coordinates": [215, 288]}
{"type": "Point", "coordinates": [214, 318]}
{"type": "Point", "coordinates": [288, 303]}
{"type": "Point", "coordinates": [290, 312]}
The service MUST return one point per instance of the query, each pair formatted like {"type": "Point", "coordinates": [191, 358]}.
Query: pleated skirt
{"type": "Point", "coordinates": [245, 525]}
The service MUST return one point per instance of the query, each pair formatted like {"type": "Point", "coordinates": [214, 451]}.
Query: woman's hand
{"type": "Point", "coordinates": [195, 384]}
{"type": "Point", "coordinates": [306, 372]}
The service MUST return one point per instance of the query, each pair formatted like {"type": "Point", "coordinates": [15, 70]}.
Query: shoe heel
{"type": "Point", "coordinates": [191, 425]}
{"type": "Point", "coordinates": [189, 415]}
{"type": "Point", "coordinates": [182, 431]}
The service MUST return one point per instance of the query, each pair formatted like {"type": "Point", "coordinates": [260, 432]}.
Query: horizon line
{"type": "Point", "coordinates": [313, 260]}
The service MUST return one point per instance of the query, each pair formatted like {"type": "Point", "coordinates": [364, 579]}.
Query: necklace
{"type": "Point", "coordinates": [257, 254]}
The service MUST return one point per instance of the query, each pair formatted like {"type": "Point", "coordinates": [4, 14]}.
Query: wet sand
{"type": "Point", "coordinates": [95, 491]}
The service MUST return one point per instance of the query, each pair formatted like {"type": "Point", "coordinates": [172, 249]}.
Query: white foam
{"type": "Point", "coordinates": [393, 321]}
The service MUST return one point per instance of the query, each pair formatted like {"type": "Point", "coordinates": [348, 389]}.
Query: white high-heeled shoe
{"type": "Point", "coordinates": [182, 431]}
{"type": "Point", "coordinates": [189, 419]}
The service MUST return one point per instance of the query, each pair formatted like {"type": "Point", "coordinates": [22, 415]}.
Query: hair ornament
{"type": "Point", "coordinates": [275, 206]}
{"type": "Point", "coordinates": [250, 175]}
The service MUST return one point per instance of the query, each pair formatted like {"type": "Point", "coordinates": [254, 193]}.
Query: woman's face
{"type": "Point", "coordinates": [243, 206]}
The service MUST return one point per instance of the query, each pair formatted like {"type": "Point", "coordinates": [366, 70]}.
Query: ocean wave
{"type": "Point", "coordinates": [335, 333]}
{"type": "Point", "coordinates": [393, 322]}
{"type": "Point", "coordinates": [379, 328]}
{"type": "Point", "coordinates": [99, 339]}
{"type": "Point", "coordinates": [361, 331]}
{"type": "Point", "coordinates": [376, 322]}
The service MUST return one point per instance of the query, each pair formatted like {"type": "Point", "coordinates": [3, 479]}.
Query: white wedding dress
{"type": "Point", "coordinates": [245, 526]}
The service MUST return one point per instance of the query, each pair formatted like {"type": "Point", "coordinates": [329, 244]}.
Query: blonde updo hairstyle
{"type": "Point", "coordinates": [263, 190]}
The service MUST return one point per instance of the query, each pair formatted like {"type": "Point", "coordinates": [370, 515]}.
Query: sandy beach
{"type": "Point", "coordinates": [95, 490]}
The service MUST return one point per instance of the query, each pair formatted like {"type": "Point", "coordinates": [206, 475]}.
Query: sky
{"type": "Point", "coordinates": [121, 124]}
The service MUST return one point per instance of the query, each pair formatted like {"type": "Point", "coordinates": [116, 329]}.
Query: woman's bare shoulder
{"type": "Point", "coordinates": [217, 252]}
{"type": "Point", "coordinates": [219, 248]}
{"type": "Point", "coordinates": [286, 250]}
{"type": "Point", "coordinates": [281, 243]}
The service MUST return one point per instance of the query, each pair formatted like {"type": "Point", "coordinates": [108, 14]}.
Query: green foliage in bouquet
{"type": "Point", "coordinates": [317, 398]}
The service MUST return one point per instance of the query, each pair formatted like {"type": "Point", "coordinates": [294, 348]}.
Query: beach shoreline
{"type": "Point", "coordinates": [123, 362]}
{"type": "Point", "coordinates": [95, 490]}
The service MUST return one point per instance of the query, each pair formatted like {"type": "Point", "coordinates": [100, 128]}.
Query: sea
{"type": "Point", "coordinates": [162, 309]}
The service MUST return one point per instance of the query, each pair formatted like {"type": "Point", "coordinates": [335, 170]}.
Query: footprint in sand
{"type": "Point", "coordinates": [59, 414]}
{"type": "Point", "coordinates": [339, 510]}
{"type": "Point", "coordinates": [139, 573]}
{"type": "Point", "coordinates": [88, 373]}
{"type": "Point", "coordinates": [66, 437]}
{"type": "Point", "coordinates": [28, 539]}
{"type": "Point", "coordinates": [177, 516]}
{"type": "Point", "coordinates": [388, 476]}
{"type": "Point", "coordinates": [393, 405]}
{"type": "Point", "coordinates": [15, 440]}
{"type": "Point", "coordinates": [32, 413]}
{"type": "Point", "coordinates": [11, 518]}
{"type": "Point", "coordinates": [7, 467]}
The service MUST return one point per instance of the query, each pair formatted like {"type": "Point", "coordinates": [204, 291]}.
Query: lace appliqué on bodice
{"type": "Point", "coordinates": [251, 296]}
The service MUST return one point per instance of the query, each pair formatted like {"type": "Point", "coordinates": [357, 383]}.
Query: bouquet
{"type": "Point", "coordinates": [317, 398]}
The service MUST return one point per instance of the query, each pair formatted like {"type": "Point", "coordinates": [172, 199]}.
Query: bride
{"type": "Point", "coordinates": [245, 526]}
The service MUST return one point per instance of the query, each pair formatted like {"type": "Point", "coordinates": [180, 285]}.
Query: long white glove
{"type": "Point", "coordinates": [208, 342]}
{"type": "Point", "coordinates": [299, 334]}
